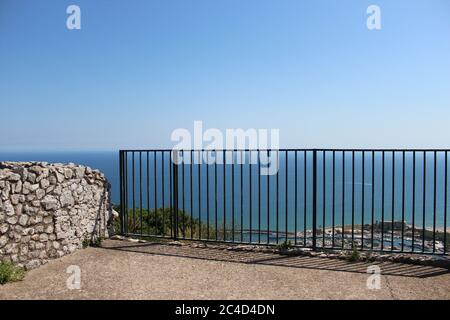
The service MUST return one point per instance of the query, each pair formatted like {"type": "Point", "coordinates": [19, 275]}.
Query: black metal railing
{"type": "Point", "coordinates": [382, 200]}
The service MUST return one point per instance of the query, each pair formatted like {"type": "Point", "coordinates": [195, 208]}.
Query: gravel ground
{"type": "Point", "coordinates": [125, 270]}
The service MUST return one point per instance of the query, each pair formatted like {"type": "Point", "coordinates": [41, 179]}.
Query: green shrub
{"type": "Point", "coordinates": [285, 245]}
{"type": "Point", "coordinates": [160, 222]}
{"type": "Point", "coordinates": [354, 254]}
{"type": "Point", "coordinates": [9, 272]}
{"type": "Point", "coordinates": [96, 242]}
{"type": "Point", "coordinates": [92, 242]}
{"type": "Point", "coordinates": [86, 243]}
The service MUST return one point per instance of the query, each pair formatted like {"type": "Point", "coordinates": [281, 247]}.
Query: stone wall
{"type": "Point", "coordinates": [50, 210]}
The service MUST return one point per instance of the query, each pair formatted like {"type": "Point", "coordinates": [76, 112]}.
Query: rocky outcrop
{"type": "Point", "coordinates": [50, 210]}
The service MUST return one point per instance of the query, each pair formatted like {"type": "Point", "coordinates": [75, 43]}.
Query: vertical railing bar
{"type": "Point", "coordinates": [353, 198]}
{"type": "Point", "coordinates": [413, 202]}
{"type": "Point", "coordinates": [162, 194]}
{"type": "Point", "coordinates": [278, 194]}
{"type": "Point", "coordinates": [382, 201]}
{"type": "Point", "coordinates": [199, 184]}
{"type": "Point", "coordinates": [233, 154]}
{"type": "Point", "coordinates": [191, 191]}
{"type": "Point", "coordinates": [373, 201]}
{"type": "Point", "coordinates": [140, 192]}
{"type": "Point", "coordinates": [424, 198]}
{"type": "Point", "coordinates": [156, 191]}
{"type": "Point", "coordinates": [286, 197]}
{"type": "Point", "coordinates": [242, 198]}
{"type": "Point", "coordinates": [122, 211]}
{"type": "Point", "coordinates": [295, 199]}
{"type": "Point", "coordinates": [121, 191]}
{"type": "Point", "coordinates": [224, 196]}
{"type": "Point", "coordinates": [314, 204]}
{"type": "Point", "coordinates": [125, 159]}
{"type": "Point", "coordinates": [434, 201]}
{"type": "Point", "coordinates": [363, 191]}
{"type": "Point", "coordinates": [343, 199]}
{"type": "Point", "coordinates": [250, 195]}
{"type": "Point", "coordinates": [259, 196]}
{"type": "Point", "coordinates": [268, 199]}
{"type": "Point", "coordinates": [175, 193]}
{"type": "Point", "coordinates": [134, 194]}
{"type": "Point", "coordinates": [393, 200]}
{"type": "Point", "coordinates": [183, 192]}
{"type": "Point", "coordinates": [403, 200]}
{"type": "Point", "coordinates": [126, 195]}
{"type": "Point", "coordinates": [170, 194]}
{"type": "Point", "coordinates": [215, 192]}
{"type": "Point", "coordinates": [324, 172]}
{"type": "Point", "coordinates": [207, 194]}
{"type": "Point", "coordinates": [445, 201]}
{"type": "Point", "coordinates": [125, 187]}
{"type": "Point", "coordinates": [334, 200]}
{"type": "Point", "coordinates": [305, 194]}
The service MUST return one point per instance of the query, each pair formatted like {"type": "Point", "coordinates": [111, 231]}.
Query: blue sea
{"type": "Point", "coordinates": [108, 163]}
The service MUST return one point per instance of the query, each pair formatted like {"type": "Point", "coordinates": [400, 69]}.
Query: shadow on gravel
{"type": "Point", "coordinates": [270, 259]}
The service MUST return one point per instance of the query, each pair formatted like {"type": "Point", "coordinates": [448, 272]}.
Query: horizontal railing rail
{"type": "Point", "coordinates": [388, 200]}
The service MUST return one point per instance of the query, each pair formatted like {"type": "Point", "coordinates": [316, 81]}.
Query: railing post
{"type": "Point", "coordinates": [124, 192]}
{"type": "Point", "coordinates": [122, 201]}
{"type": "Point", "coordinates": [175, 193]}
{"type": "Point", "coordinates": [314, 210]}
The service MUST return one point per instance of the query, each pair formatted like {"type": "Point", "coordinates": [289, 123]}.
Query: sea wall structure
{"type": "Point", "coordinates": [50, 210]}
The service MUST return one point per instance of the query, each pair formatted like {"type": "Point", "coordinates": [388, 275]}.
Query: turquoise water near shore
{"type": "Point", "coordinates": [108, 163]}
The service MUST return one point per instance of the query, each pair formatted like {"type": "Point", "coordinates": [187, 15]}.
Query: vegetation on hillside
{"type": "Point", "coordinates": [160, 222]}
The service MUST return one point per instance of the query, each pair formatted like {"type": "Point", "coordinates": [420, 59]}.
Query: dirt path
{"type": "Point", "coordinates": [124, 270]}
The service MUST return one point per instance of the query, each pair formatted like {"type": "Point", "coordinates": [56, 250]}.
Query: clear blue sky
{"type": "Point", "coordinates": [139, 69]}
